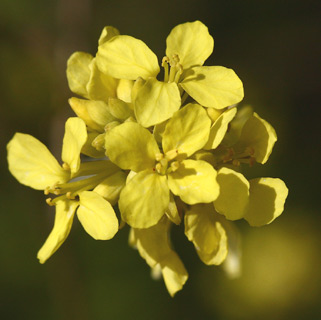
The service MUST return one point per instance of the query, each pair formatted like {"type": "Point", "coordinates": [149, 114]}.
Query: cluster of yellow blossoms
{"type": "Point", "coordinates": [161, 153]}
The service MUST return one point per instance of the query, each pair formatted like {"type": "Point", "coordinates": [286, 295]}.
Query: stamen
{"type": "Point", "coordinates": [236, 162]}
{"type": "Point", "coordinates": [250, 150]}
{"type": "Point", "coordinates": [172, 154]}
{"type": "Point", "coordinates": [229, 156]}
{"type": "Point", "coordinates": [49, 202]}
{"type": "Point", "coordinates": [65, 166]}
{"type": "Point", "coordinates": [159, 156]}
{"type": "Point", "coordinates": [158, 168]}
{"type": "Point", "coordinates": [165, 62]}
{"type": "Point", "coordinates": [164, 163]}
{"type": "Point", "coordinates": [46, 191]}
{"type": "Point", "coordinates": [70, 196]}
{"type": "Point", "coordinates": [178, 73]}
{"type": "Point", "coordinates": [174, 166]}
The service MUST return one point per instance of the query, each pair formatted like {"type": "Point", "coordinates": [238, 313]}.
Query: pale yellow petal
{"type": "Point", "coordinates": [124, 90]}
{"type": "Point", "coordinates": [236, 125]}
{"type": "Point", "coordinates": [187, 131]}
{"type": "Point", "coordinates": [172, 212]}
{"type": "Point", "coordinates": [74, 139]}
{"type": "Point", "coordinates": [78, 72]}
{"type": "Point", "coordinates": [88, 148]}
{"type": "Point", "coordinates": [32, 164]}
{"type": "Point", "coordinates": [124, 57]}
{"type": "Point", "coordinates": [259, 135]}
{"type": "Point", "coordinates": [104, 167]}
{"type": "Point", "coordinates": [100, 86]}
{"type": "Point", "coordinates": [219, 128]}
{"type": "Point", "coordinates": [97, 216]}
{"type": "Point", "coordinates": [233, 199]}
{"type": "Point", "coordinates": [194, 182]}
{"type": "Point", "coordinates": [154, 246]}
{"type": "Point", "coordinates": [156, 102]}
{"type": "Point", "coordinates": [111, 187]}
{"type": "Point", "coordinates": [65, 210]}
{"type": "Point", "coordinates": [174, 273]}
{"type": "Point", "coordinates": [119, 109]}
{"type": "Point", "coordinates": [131, 146]}
{"type": "Point", "coordinates": [213, 87]}
{"type": "Point", "coordinates": [95, 113]}
{"type": "Point", "coordinates": [192, 43]}
{"type": "Point", "coordinates": [267, 198]}
{"type": "Point", "coordinates": [144, 199]}
{"type": "Point", "coordinates": [206, 233]}
{"type": "Point", "coordinates": [107, 33]}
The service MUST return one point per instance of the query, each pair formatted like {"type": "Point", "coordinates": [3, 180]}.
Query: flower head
{"type": "Point", "coordinates": [175, 150]}
{"type": "Point", "coordinates": [188, 46]}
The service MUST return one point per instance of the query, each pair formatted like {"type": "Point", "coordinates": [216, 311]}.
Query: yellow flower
{"type": "Point", "coordinates": [154, 246]}
{"type": "Point", "coordinates": [188, 46]}
{"type": "Point", "coordinates": [32, 164]}
{"type": "Point", "coordinates": [250, 139]}
{"type": "Point", "coordinates": [107, 100]}
{"type": "Point", "coordinates": [146, 196]}
{"type": "Point", "coordinates": [259, 201]}
{"type": "Point", "coordinates": [204, 229]}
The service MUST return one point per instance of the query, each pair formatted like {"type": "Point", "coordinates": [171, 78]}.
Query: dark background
{"type": "Point", "coordinates": [274, 47]}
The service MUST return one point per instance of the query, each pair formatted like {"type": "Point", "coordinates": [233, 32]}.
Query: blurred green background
{"type": "Point", "coordinates": [274, 47]}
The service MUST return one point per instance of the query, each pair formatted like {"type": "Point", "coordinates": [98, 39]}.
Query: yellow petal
{"type": "Point", "coordinates": [267, 197]}
{"type": "Point", "coordinates": [236, 125]}
{"type": "Point", "coordinates": [94, 113]}
{"type": "Point", "coordinates": [206, 233]}
{"type": "Point", "coordinates": [213, 87]}
{"type": "Point", "coordinates": [194, 182]}
{"type": "Point", "coordinates": [187, 131]}
{"type": "Point", "coordinates": [65, 210]}
{"type": "Point", "coordinates": [192, 42]}
{"type": "Point", "coordinates": [74, 139]}
{"type": "Point", "coordinates": [107, 33]}
{"type": "Point", "coordinates": [174, 273]}
{"type": "Point", "coordinates": [100, 86]}
{"type": "Point", "coordinates": [172, 212]}
{"type": "Point", "coordinates": [219, 128]}
{"type": "Point", "coordinates": [89, 150]}
{"type": "Point", "coordinates": [234, 195]}
{"type": "Point", "coordinates": [32, 164]}
{"type": "Point", "coordinates": [119, 109]}
{"type": "Point", "coordinates": [124, 57]}
{"type": "Point", "coordinates": [144, 199]}
{"type": "Point", "coordinates": [260, 136]}
{"type": "Point", "coordinates": [104, 167]}
{"type": "Point", "coordinates": [97, 216]}
{"type": "Point", "coordinates": [111, 187]}
{"type": "Point", "coordinates": [124, 90]}
{"type": "Point", "coordinates": [156, 102]}
{"type": "Point", "coordinates": [131, 146]}
{"type": "Point", "coordinates": [154, 246]}
{"type": "Point", "coordinates": [78, 72]}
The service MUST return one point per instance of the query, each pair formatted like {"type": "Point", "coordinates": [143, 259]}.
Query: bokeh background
{"type": "Point", "coordinates": [274, 47]}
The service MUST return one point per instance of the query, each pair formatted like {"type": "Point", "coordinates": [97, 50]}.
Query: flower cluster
{"type": "Point", "coordinates": [163, 151]}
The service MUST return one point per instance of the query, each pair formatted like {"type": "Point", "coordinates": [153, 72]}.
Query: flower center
{"type": "Point", "coordinates": [172, 69]}
{"type": "Point", "coordinates": [167, 163]}
{"type": "Point", "coordinates": [89, 176]}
